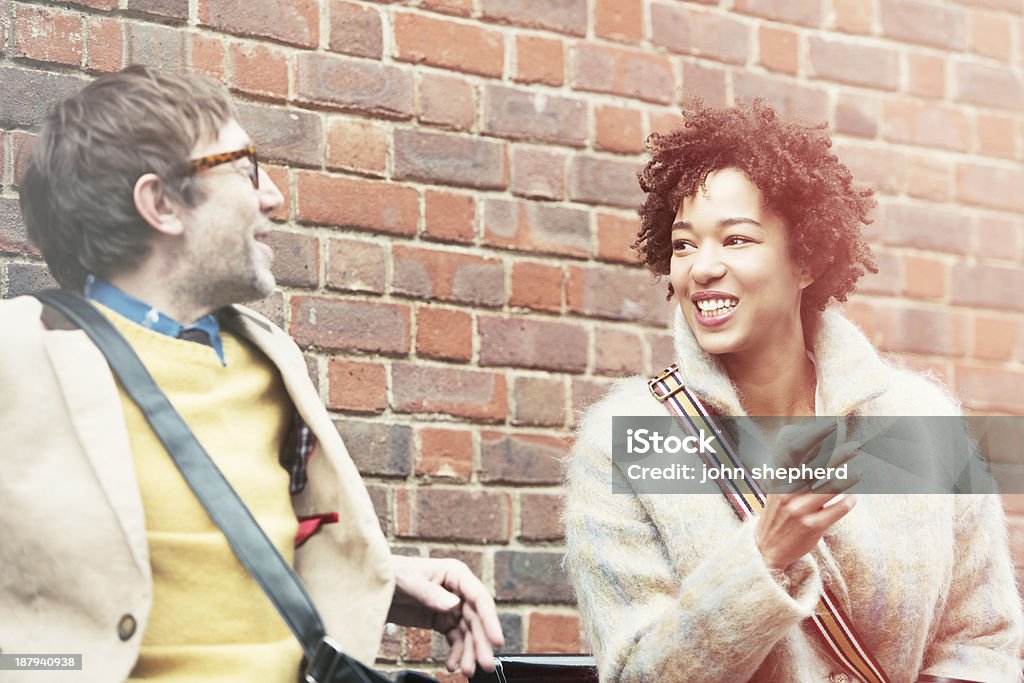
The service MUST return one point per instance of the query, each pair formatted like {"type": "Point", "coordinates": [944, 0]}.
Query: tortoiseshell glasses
{"type": "Point", "coordinates": [203, 163]}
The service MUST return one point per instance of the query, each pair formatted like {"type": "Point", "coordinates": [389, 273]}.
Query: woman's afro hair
{"type": "Point", "coordinates": [802, 181]}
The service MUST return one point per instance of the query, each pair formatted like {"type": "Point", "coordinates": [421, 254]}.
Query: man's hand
{"type": "Point", "coordinates": [445, 595]}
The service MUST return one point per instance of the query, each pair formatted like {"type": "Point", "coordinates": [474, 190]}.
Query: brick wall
{"type": "Point", "coordinates": [454, 253]}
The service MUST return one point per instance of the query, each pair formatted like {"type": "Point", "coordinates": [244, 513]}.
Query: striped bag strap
{"type": "Point", "coordinates": [748, 499]}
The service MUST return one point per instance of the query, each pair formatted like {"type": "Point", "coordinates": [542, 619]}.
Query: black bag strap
{"type": "Point", "coordinates": [245, 536]}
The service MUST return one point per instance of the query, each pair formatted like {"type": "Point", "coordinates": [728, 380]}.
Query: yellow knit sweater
{"type": "Point", "coordinates": [211, 622]}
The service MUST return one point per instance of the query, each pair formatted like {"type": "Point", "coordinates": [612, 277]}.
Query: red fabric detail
{"type": "Point", "coordinates": [310, 525]}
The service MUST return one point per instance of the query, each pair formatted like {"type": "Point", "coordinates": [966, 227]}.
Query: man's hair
{"type": "Point", "coordinates": [791, 163]}
{"type": "Point", "coordinates": [77, 191]}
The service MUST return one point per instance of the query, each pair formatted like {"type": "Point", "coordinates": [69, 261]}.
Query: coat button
{"type": "Point", "coordinates": [839, 677]}
{"type": "Point", "coordinates": [126, 627]}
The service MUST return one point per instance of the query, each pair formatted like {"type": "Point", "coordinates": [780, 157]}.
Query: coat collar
{"type": "Point", "coordinates": [849, 370]}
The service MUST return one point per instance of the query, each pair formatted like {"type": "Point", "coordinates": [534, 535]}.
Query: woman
{"type": "Point", "coordinates": [757, 225]}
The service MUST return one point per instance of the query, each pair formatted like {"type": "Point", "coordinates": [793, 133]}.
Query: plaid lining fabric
{"type": "Point", "coordinates": [298, 445]}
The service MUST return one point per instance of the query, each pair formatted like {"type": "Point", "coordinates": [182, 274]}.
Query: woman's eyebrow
{"type": "Point", "coordinates": [724, 223]}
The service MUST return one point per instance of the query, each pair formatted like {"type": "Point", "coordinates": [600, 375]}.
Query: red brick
{"type": "Point", "coordinates": [356, 265]}
{"type": "Point", "coordinates": [47, 34]}
{"type": "Point", "coordinates": [355, 30]}
{"type": "Point", "coordinates": [157, 46]}
{"type": "Point", "coordinates": [596, 180]}
{"type": "Point", "coordinates": [619, 19]}
{"type": "Point", "coordinates": [536, 227]}
{"type": "Point", "coordinates": [997, 135]}
{"type": "Point", "coordinates": [513, 458]}
{"type": "Point", "coordinates": [855, 64]}
{"type": "Point", "coordinates": [618, 129]}
{"type": "Point", "coordinates": [889, 278]}
{"type": "Point", "coordinates": [448, 44]}
{"type": "Point", "coordinates": [29, 94]}
{"type": "Point", "coordinates": [924, 227]}
{"type": "Point", "coordinates": [535, 344]}
{"type": "Point", "coordinates": [996, 237]}
{"type": "Point", "coordinates": [358, 85]}
{"type": "Point", "coordinates": [929, 178]}
{"type": "Point", "coordinates": [346, 325]}
{"type": "Point", "coordinates": [538, 172]}
{"type": "Point", "coordinates": [618, 71]}
{"type": "Point", "coordinates": [615, 237]}
{"type": "Point", "coordinates": [461, 8]}
{"type": "Point", "coordinates": [993, 86]}
{"type": "Point", "coordinates": [909, 330]}
{"type": "Point", "coordinates": [791, 99]}
{"type": "Point", "coordinates": [366, 204]}
{"type": "Point", "coordinates": [996, 187]}
{"type": "Point", "coordinates": [920, 21]}
{"type": "Point", "coordinates": [661, 351]}
{"type": "Point", "coordinates": [617, 353]}
{"type": "Point", "coordinates": [566, 16]}
{"type": "Point", "coordinates": [357, 387]}
{"type": "Point", "coordinates": [779, 49]}
{"type": "Point", "coordinates": [449, 217]}
{"type": "Point", "coordinates": [357, 145]}
{"type": "Point", "coordinates": [881, 168]}
{"type": "Point", "coordinates": [689, 31]}
{"type": "Point", "coordinates": [586, 392]}
{"type": "Point", "coordinates": [105, 5]}
{"type": "Point", "coordinates": [206, 53]}
{"type": "Point", "coordinates": [27, 278]}
{"type": "Point", "coordinates": [289, 21]}
{"type": "Point", "coordinates": [450, 159]}
{"type": "Point", "coordinates": [527, 115]}
{"type": "Point", "coordinates": [457, 515]}
{"type": "Point", "coordinates": [854, 16]}
{"type": "Point", "coordinates": [540, 60]}
{"type": "Point", "coordinates": [994, 338]}
{"type": "Point", "coordinates": [988, 286]}
{"type": "Point", "coordinates": [786, 11]}
{"type": "Point", "coordinates": [925, 278]}
{"type": "Point", "coordinates": [539, 402]}
{"type": "Point", "coordinates": [176, 10]}
{"type": "Point", "coordinates": [378, 449]}
{"type": "Point", "coordinates": [535, 577]}
{"type": "Point", "coordinates": [471, 394]}
{"type": "Point", "coordinates": [706, 82]}
{"type": "Point", "coordinates": [279, 176]}
{"type": "Point", "coordinates": [296, 258]}
{"type": "Point", "coordinates": [554, 633]}
{"type": "Point", "coordinates": [418, 644]}
{"type": "Point", "coordinates": [617, 294]}
{"type": "Point", "coordinates": [537, 286]}
{"type": "Point", "coordinates": [292, 136]}
{"type": "Point", "coordinates": [540, 520]}
{"type": "Point", "coordinates": [926, 75]}
{"type": "Point", "coordinates": [21, 146]}
{"type": "Point", "coordinates": [444, 275]}
{"type": "Point", "coordinates": [446, 101]}
{"type": "Point", "coordinates": [858, 115]}
{"type": "Point", "coordinates": [444, 334]}
{"type": "Point", "coordinates": [445, 453]}
{"type": "Point", "coordinates": [928, 125]}
{"type": "Point", "coordinates": [991, 35]}
{"type": "Point", "coordinates": [381, 505]}
{"type": "Point", "coordinates": [985, 388]}
{"type": "Point", "coordinates": [259, 69]}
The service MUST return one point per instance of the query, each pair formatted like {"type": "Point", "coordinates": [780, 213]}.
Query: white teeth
{"type": "Point", "coordinates": [713, 307]}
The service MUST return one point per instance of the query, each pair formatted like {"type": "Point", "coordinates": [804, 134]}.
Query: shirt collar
{"type": "Point", "coordinates": [149, 317]}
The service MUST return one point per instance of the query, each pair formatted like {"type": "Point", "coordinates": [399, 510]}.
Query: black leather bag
{"type": "Point", "coordinates": [324, 661]}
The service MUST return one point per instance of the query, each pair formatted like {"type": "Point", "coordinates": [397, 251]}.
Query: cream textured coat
{"type": "Point", "coordinates": [674, 588]}
{"type": "Point", "coordinates": [73, 552]}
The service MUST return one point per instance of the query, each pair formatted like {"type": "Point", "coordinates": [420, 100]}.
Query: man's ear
{"type": "Point", "coordinates": [161, 212]}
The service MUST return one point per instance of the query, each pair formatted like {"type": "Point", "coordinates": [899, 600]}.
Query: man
{"type": "Point", "coordinates": [144, 193]}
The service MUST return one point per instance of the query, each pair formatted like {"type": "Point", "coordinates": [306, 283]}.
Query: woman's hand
{"type": "Point", "coordinates": [792, 523]}
{"type": "Point", "coordinates": [446, 596]}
